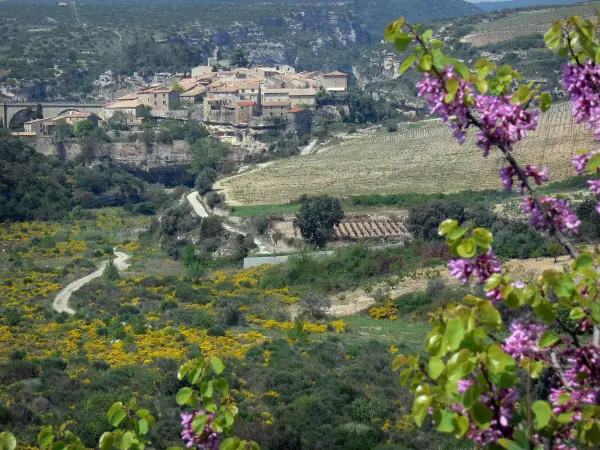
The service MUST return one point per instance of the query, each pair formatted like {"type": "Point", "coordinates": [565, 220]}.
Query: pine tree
{"type": "Point", "coordinates": [111, 272]}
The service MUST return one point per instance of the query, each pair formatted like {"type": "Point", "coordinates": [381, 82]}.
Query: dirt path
{"type": "Point", "coordinates": [264, 248]}
{"type": "Point", "coordinates": [61, 301]}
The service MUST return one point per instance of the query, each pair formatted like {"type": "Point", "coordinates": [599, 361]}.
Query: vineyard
{"type": "Point", "coordinates": [525, 23]}
{"type": "Point", "coordinates": [425, 158]}
{"type": "Point", "coordinates": [361, 229]}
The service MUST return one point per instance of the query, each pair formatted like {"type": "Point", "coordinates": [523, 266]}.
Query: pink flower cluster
{"type": "Point", "coordinates": [207, 440]}
{"type": "Point", "coordinates": [559, 210]}
{"type": "Point", "coordinates": [435, 91]}
{"type": "Point", "coordinates": [501, 402]}
{"type": "Point", "coordinates": [503, 123]}
{"type": "Point", "coordinates": [581, 81]}
{"type": "Point", "coordinates": [523, 340]}
{"type": "Point", "coordinates": [580, 162]}
{"type": "Point", "coordinates": [481, 266]}
{"type": "Point", "coordinates": [508, 173]}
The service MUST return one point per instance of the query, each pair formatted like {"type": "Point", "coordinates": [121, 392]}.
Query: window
{"type": "Point", "coordinates": [164, 95]}
{"type": "Point", "coordinates": [164, 103]}
{"type": "Point", "coordinates": [155, 95]}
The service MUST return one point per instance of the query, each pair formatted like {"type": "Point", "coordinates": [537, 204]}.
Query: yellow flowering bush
{"type": "Point", "coordinates": [388, 310]}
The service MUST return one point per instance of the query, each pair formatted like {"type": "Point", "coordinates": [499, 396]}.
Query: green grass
{"type": "Point", "coordinates": [407, 335]}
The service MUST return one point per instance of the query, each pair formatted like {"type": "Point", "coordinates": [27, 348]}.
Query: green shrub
{"type": "Point", "coordinates": [216, 331]}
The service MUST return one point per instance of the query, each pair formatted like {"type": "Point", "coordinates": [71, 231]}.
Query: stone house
{"type": "Point", "coordinates": [130, 106]}
{"type": "Point", "coordinates": [303, 97]}
{"type": "Point", "coordinates": [335, 82]}
{"type": "Point", "coordinates": [275, 108]}
{"type": "Point", "coordinates": [193, 95]}
{"type": "Point", "coordinates": [244, 111]}
{"type": "Point", "coordinates": [275, 95]}
{"type": "Point", "coordinates": [159, 98]}
{"type": "Point", "coordinates": [72, 117]}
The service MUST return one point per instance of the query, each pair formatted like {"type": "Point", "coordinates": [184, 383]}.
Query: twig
{"type": "Point", "coordinates": [558, 368]}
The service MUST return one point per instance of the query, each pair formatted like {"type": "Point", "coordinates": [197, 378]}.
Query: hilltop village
{"type": "Point", "coordinates": [227, 99]}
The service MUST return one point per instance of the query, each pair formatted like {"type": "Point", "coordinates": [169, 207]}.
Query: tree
{"type": "Point", "coordinates": [239, 59]}
{"type": "Point", "coordinates": [423, 220]}
{"type": "Point", "coordinates": [111, 272]}
{"type": "Point", "coordinates": [119, 121]}
{"type": "Point", "coordinates": [315, 304]}
{"type": "Point", "coordinates": [205, 180]}
{"type": "Point", "coordinates": [63, 130]}
{"type": "Point", "coordinates": [83, 128]}
{"type": "Point", "coordinates": [207, 152]}
{"type": "Point", "coordinates": [177, 87]}
{"type": "Point", "coordinates": [317, 217]}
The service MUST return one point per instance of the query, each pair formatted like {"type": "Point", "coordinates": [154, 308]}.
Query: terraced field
{"type": "Point", "coordinates": [425, 158]}
{"type": "Point", "coordinates": [361, 229]}
{"type": "Point", "coordinates": [526, 22]}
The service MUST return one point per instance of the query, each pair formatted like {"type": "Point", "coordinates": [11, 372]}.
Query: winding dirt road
{"type": "Point", "coordinates": [263, 247]}
{"type": "Point", "coordinates": [61, 301]}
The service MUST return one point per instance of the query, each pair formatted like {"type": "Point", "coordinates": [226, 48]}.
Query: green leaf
{"type": "Point", "coordinates": [421, 408]}
{"type": "Point", "coordinates": [402, 41]}
{"type": "Point", "coordinates": [9, 441]}
{"type": "Point", "coordinates": [407, 63]}
{"type": "Point", "coordinates": [427, 36]}
{"type": "Point", "coordinates": [445, 422]}
{"type": "Point", "coordinates": [142, 413]}
{"type": "Point", "coordinates": [217, 365]}
{"type": "Point", "coordinates": [45, 437]}
{"type": "Point", "coordinates": [405, 375]}
{"type": "Point", "coordinates": [118, 417]}
{"type": "Point", "coordinates": [199, 423]}
{"type": "Point", "coordinates": [106, 441]}
{"type": "Point", "coordinates": [488, 314]}
{"type": "Point", "coordinates": [577, 314]}
{"type": "Point", "coordinates": [399, 362]}
{"type": "Point", "coordinates": [462, 424]}
{"type": "Point", "coordinates": [142, 426]}
{"type": "Point", "coordinates": [452, 87]}
{"type": "Point", "coordinates": [593, 163]}
{"type": "Point", "coordinates": [467, 248]}
{"type": "Point", "coordinates": [113, 409]}
{"type": "Point", "coordinates": [455, 233]}
{"type": "Point", "coordinates": [482, 415]}
{"type": "Point", "coordinates": [228, 419]}
{"type": "Point", "coordinates": [230, 444]}
{"type": "Point", "coordinates": [545, 101]}
{"type": "Point", "coordinates": [435, 368]}
{"type": "Point", "coordinates": [59, 446]}
{"type": "Point", "coordinates": [482, 86]}
{"type": "Point", "coordinates": [543, 414]}
{"type": "Point", "coordinates": [461, 69]}
{"type": "Point", "coordinates": [552, 38]}
{"type": "Point", "coordinates": [509, 445]}
{"type": "Point", "coordinates": [545, 312]}
{"type": "Point", "coordinates": [426, 62]}
{"type": "Point", "coordinates": [454, 333]}
{"type": "Point", "coordinates": [183, 395]}
{"type": "Point", "coordinates": [470, 396]}
{"type": "Point", "coordinates": [522, 95]}
{"type": "Point", "coordinates": [222, 386]}
{"type": "Point", "coordinates": [208, 391]}
{"type": "Point", "coordinates": [548, 339]}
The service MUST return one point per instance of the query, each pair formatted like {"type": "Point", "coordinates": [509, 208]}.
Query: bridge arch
{"type": "Point", "coordinates": [17, 118]}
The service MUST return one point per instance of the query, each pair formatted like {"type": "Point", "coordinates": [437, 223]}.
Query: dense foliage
{"type": "Point", "coordinates": [317, 217]}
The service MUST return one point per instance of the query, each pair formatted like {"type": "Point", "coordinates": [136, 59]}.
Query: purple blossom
{"type": "Point", "coordinates": [207, 440]}
{"type": "Point", "coordinates": [503, 123]}
{"type": "Point", "coordinates": [581, 82]}
{"type": "Point", "coordinates": [508, 173]}
{"type": "Point", "coordinates": [523, 340]}
{"type": "Point", "coordinates": [558, 210]}
{"type": "Point", "coordinates": [580, 161]}
{"type": "Point", "coordinates": [481, 267]}
{"type": "Point", "coordinates": [435, 91]}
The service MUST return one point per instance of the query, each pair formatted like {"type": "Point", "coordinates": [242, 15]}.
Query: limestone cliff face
{"type": "Point", "coordinates": [136, 155]}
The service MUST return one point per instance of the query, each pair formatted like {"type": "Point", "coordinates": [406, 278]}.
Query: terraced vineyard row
{"type": "Point", "coordinates": [369, 229]}
{"type": "Point", "coordinates": [425, 158]}
{"type": "Point", "coordinates": [526, 23]}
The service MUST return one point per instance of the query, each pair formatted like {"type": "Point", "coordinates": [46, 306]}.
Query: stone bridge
{"type": "Point", "coordinates": [10, 110]}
